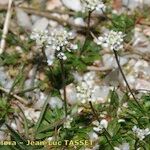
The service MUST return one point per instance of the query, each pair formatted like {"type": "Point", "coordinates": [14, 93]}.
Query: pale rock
{"type": "Point", "coordinates": [55, 102]}
{"type": "Point", "coordinates": [71, 94]}
{"type": "Point", "coordinates": [3, 133]}
{"type": "Point", "coordinates": [77, 76]}
{"type": "Point", "coordinates": [124, 146]}
{"type": "Point", "coordinates": [41, 24]}
{"type": "Point", "coordinates": [104, 123]}
{"type": "Point", "coordinates": [142, 66]}
{"type": "Point", "coordinates": [93, 136]}
{"type": "Point", "coordinates": [5, 80]}
{"type": "Point", "coordinates": [79, 21]}
{"type": "Point", "coordinates": [141, 42]}
{"type": "Point", "coordinates": [131, 80]}
{"type": "Point", "coordinates": [31, 114]}
{"type": "Point", "coordinates": [96, 147]}
{"type": "Point", "coordinates": [4, 2]}
{"type": "Point", "coordinates": [74, 5]}
{"type": "Point", "coordinates": [100, 93]}
{"type": "Point", "coordinates": [132, 62]}
{"type": "Point", "coordinates": [53, 23]}
{"type": "Point", "coordinates": [110, 61]}
{"type": "Point", "coordinates": [50, 53]}
{"type": "Point", "coordinates": [114, 78]}
{"type": "Point", "coordinates": [132, 4]}
{"type": "Point", "coordinates": [31, 72]}
{"type": "Point", "coordinates": [52, 4]}
{"type": "Point", "coordinates": [13, 125]}
{"type": "Point", "coordinates": [27, 83]}
{"type": "Point", "coordinates": [19, 49]}
{"type": "Point", "coordinates": [34, 18]}
{"type": "Point", "coordinates": [89, 76]}
{"type": "Point", "coordinates": [3, 76]}
{"type": "Point", "coordinates": [8, 84]}
{"type": "Point", "coordinates": [40, 97]}
{"type": "Point", "coordinates": [142, 84]}
{"type": "Point", "coordinates": [147, 31]}
{"type": "Point", "coordinates": [23, 19]}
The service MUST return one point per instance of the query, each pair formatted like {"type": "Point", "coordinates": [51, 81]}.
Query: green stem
{"type": "Point", "coordinates": [94, 112]}
{"type": "Point", "coordinates": [87, 33]}
{"type": "Point", "coordinates": [109, 141]}
{"type": "Point", "coordinates": [136, 144]}
{"type": "Point", "coordinates": [105, 131]}
{"type": "Point", "coordinates": [64, 86]}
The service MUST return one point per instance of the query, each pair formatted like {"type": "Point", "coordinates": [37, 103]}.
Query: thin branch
{"type": "Point", "coordinates": [124, 77]}
{"type": "Point", "coordinates": [6, 26]}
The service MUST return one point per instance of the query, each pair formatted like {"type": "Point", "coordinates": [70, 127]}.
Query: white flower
{"type": "Point", "coordinates": [141, 133]}
{"type": "Point", "coordinates": [83, 92]}
{"type": "Point", "coordinates": [61, 56]}
{"type": "Point", "coordinates": [60, 41]}
{"type": "Point", "coordinates": [91, 5]}
{"type": "Point", "coordinates": [67, 123]}
{"type": "Point", "coordinates": [89, 91]}
{"type": "Point", "coordinates": [56, 42]}
{"type": "Point", "coordinates": [39, 36]}
{"type": "Point", "coordinates": [99, 126]}
{"type": "Point", "coordinates": [112, 40]}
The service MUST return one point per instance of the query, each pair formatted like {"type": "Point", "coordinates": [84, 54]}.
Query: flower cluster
{"type": "Point", "coordinates": [56, 43]}
{"type": "Point", "coordinates": [41, 37]}
{"type": "Point", "coordinates": [59, 41]}
{"type": "Point", "coordinates": [141, 133]}
{"type": "Point", "coordinates": [91, 5]}
{"type": "Point", "coordinates": [88, 89]}
{"type": "Point", "coordinates": [112, 40]}
{"type": "Point", "coordinates": [67, 123]}
{"type": "Point", "coordinates": [83, 92]}
{"type": "Point", "coordinates": [87, 93]}
{"type": "Point", "coordinates": [99, 126]}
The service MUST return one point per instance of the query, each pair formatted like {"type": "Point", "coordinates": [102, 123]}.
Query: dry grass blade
{"type": "Point", "coordinates": [6, 26]}
{"type": "Point", "coordinates": [20, 99]}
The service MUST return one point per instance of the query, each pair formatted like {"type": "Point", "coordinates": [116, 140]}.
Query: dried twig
{"type": "Point", "coordinates": [20, 99]}
{"type": "Point", "coordinates": [49, 15]}
{"type": "Point", "coordinates": [6, 26]}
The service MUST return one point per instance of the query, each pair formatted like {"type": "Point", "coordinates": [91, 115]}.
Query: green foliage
{"type": "Point", "coordinates": [85, 56]}
{"type": "Point", "coordinates": [55, 75]}
{"type": "Point", "coordinates": [5, 109]}
{"type": "Point", "coordinates": [123, 23]}
{"type": "Point", "coordinates": [9, 59]}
